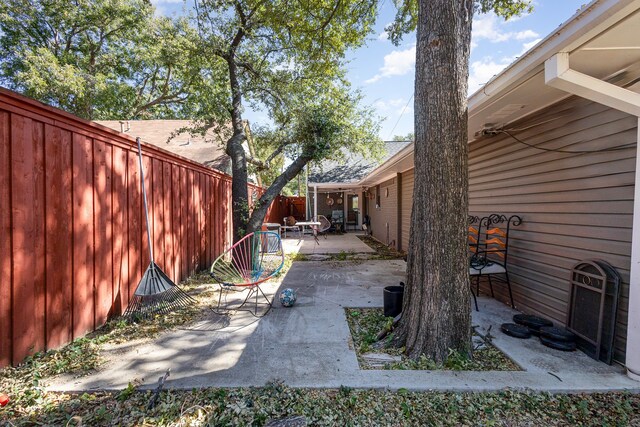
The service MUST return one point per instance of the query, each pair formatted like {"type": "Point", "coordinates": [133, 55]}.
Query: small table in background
{"type": "Point", "coordinates": [314, 225]}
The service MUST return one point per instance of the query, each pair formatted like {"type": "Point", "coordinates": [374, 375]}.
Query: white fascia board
{"type": "Point", "coordinates": [342, 185]}
{"type": "Point", "coordinates": [559, 75]}
{"type": "Point", "coordinates": [588, 22]}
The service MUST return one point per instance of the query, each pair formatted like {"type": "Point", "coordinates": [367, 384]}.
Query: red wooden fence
{"type": "Point", "coordinates": [284, 206]}
{"type": "Point", "coordinates": [72, 236]}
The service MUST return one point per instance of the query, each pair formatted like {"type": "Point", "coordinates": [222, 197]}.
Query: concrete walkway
{"type": "Point", "coordinates": [309, 345]}
{"type": "Point", "coordinates": [333, 244]}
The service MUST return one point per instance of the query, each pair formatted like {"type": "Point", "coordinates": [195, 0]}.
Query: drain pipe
{"type": "Point", "coordinates": [558, 74]}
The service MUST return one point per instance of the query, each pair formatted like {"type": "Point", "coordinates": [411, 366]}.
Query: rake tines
{"type": "Point", "coordinates": [156, 294]}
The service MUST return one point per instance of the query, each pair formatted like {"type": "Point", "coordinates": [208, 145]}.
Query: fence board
{"type": "Point", "coordinates": [190, 222]}
{"type": "Point", "coordinates": [135, 220]}
{"type": "Point", "coordinates": [83, 236]}
{"type": "Point", "coordinates": [157, 212]}
{"type": "Point", "coordinates": [40, 229]}
{"type": "Point", "coordinates": [102, 215]}
{"type": "Point", "coordinates": [184, 194]}
{"type": "Point", "coordinates": [166, 224]}
{"type": "Point", "coordinates": [6, 255]}
{"type": "Point", "coordinates": [200, 203]}
{"type": "Point", "coordinates": [58, 237]}
{"type": "Point", "coordinates": [175, 220]}
{"type": "Point", "coordinates": [120, 235]}
{"type": "Point", "coordinates": [25, 330]}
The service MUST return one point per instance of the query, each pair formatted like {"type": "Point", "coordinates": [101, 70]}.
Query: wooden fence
{"type": "Point", "coordinates": [72, 234]}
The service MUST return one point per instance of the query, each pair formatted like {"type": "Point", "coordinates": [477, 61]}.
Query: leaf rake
{"type": "Point", "coordinates": [156, 293]}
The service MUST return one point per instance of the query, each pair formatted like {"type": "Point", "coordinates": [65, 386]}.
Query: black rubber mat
{"type": "Point", "coordinates": [558, 345]}
{"type": "Point", "coordinates": [514, 330]}
{"type": "Point", "coordinates": [557, 334]}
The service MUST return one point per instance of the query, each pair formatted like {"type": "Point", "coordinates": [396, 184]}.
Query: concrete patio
{"type": "Point", "coordinates": [309, 345]}
{"type": "Point", "coordinates": [333, 244]}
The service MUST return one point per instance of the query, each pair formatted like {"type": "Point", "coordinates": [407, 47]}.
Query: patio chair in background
{"type": "Point", "coordinates": [290, 224]}
{"type": "Point", "coordinates": [492, 249]}
{"type": "Point", "coordinates": [325, 225]}
{"type": "Point", "coordinates": [253, 260]}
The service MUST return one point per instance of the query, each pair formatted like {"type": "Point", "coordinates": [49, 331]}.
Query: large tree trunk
{"type": "Point", "coordinates": [239, 189]}
{"type": "Point", "coordinates": [436, 309]}
{"type": "Point", "coordinates": [235, 150]}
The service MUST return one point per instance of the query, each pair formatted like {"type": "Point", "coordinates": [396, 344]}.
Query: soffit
{"type": "Point", "coordinates": [607, 55]}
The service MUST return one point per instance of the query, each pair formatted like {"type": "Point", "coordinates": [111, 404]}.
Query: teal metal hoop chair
{"type": "Point", "coordinates": [253, 260]}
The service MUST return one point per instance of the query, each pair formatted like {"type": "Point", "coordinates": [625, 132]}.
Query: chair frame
{"type": "Point", "coordinates": [322, 231]}
{"type": "Point", "coordinates": [488, 248]}
{"type": "Point", "coordinates": [249, 279]}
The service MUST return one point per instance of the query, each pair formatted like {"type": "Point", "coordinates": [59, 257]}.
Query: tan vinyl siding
{"type": "Point", "coordinates": [573, 206]}
{"type": "Point", "coordinates": [387, 213]}
{"type": "Point", "coordinates": [406, 204]}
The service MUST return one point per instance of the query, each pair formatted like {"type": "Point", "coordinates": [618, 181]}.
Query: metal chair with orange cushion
{"type": "Point", "coordinates": [492, 249]}
{"type": "Point", "coordinates": [472, 240]}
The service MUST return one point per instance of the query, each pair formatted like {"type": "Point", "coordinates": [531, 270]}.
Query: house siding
{"type": "Point", "coordinates": [573, 206]}
{"type": "Point", "coordinates": [384, 219]}
{"type": "Point", "coordinates": [406, 204]}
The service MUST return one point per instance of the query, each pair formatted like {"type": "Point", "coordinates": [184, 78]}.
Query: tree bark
{"type": "Point", "coordinates": [436, 307]}
{"type": "Point", "coordinates": [235, 150]}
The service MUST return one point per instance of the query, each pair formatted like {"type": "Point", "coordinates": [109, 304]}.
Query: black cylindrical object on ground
{"type": "Point", "coordinates": [393, 300]}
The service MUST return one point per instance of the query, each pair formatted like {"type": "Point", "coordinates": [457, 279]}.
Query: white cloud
{"type": "Point", "coordinates": [166, 1]}
{"type": "Point", "coordinates": [490, 27]}
{"type": "Point", "coordinates": [383, 36]}
{"type": "Point", "coordinates": [527, 46]}
{"type": "Point", "coordinates": [480, 72]}
{"type": "Point", "coordinates": [393, 107]}
{"type": "Point", "coordinates": [390, 104]}
{"type": "Point", "coordinates": [526, 34]}
{"type": "Point", "coordinates": [396, 63]}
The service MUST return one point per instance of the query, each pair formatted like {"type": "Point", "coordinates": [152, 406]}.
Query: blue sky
{"type": "Point", "coordinates": [385, 73]}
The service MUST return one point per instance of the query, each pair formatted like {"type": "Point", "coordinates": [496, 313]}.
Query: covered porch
{"type": "Point", "coordinates": [342, 204]}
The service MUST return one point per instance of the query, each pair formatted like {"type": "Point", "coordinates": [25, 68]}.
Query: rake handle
{"type": "Point", "coordinates": [144, 197]}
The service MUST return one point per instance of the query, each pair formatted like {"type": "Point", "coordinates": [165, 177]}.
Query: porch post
{"type": "Point", "coordinates": [633, 322]}
{"type": "Point", "coordinates": [315, 203]}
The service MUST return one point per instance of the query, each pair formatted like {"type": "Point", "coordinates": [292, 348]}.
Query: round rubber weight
{"type": "Point", "coordinates": [514, 330]}
{"type": "Point", "coordinates": [532, 322]}
{"type": "Point", "coordinates": [558, 345]}
{"type": "Point", "coordinates": [557, 334]}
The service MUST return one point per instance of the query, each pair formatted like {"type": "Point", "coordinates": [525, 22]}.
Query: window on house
{"type": "Point", "coordinates": [377, 196]}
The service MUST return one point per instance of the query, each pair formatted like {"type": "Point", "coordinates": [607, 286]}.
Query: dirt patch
{"type": "Point", "coordinates": [382, 251]}
{"type": "Point", "coordinates": [365, 323]}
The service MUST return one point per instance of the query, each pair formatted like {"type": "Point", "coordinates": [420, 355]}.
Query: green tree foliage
{"type": "Point", "coordinates": [278, 52]}
{"type": "Point", "coordinates": [407, 14]}
{"type": "Point", "coordinates": [100, 59]}
{"type": "Point", "coordinates": [408, 137]}
{"type": "Point", "coordinates": [113, 59]}
{"type": "Point", "coordinates": [328, 126]}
